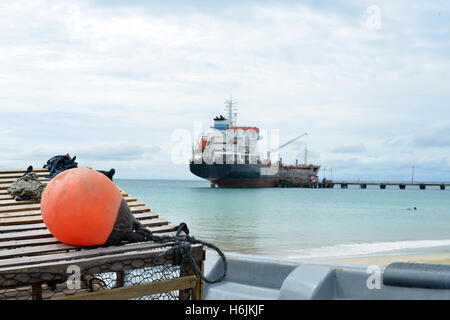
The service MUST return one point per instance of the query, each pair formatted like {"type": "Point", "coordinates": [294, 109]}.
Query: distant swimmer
{"type": "Point", "coordinates": [411, 209]}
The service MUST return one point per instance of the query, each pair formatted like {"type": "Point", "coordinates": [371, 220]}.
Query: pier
{"type": "Point", "coordinates": [422, 185]}
{"type": "Point", "coordinates": [343, 184]}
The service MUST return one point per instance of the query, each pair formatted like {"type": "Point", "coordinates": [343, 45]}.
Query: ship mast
{"type": "Point", "coordinates": [232, 112]}
{"type": "Point", "coordinates": [306, 154]}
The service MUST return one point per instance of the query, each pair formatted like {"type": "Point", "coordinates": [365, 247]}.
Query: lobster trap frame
{"type": "Point", "coordinates": [34, 265]}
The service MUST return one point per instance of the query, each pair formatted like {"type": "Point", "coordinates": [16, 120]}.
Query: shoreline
{"type": "Point", "coordinates": [436, 255]}
{"type": "Point", "coordinates": [431, 258]}
{"type": "Point", "coordinates": [384, 260]}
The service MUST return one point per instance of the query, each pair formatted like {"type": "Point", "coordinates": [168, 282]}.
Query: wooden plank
{"type": "Point", "coordinates": [5, 171]}
{"type": "Point", "coordinates": [21, 235]}
{"type": "Point", "coordinates": [24, 235]}
{"type": "Point", "coordinates": [28, 242]}
{"type": "Point", "coordinates": [37, 206]}
{"type": "Point", "coordinates": [21, 207]}
{"type": "Point", "coordinates": [11, 219]}
{"type": "Point", "coordinates": [4, 188]}
{"type": "Point", "coordinates": [36, 222]}
{"type": "Point", "coordinates": [140, 290]}
{"type": "Point", "coordinates": [198, 290]}
{"type": "Point", "coordinates": [16, 175]}
{"type": "Point", "coordinates": [36, 291]}
{"type": "Point", "coordinates": [135, 204]}
{"type": "Point", "coordinates": [41, 230]}
{"type": "Point", "coordinates": [11, 180]}
{"type": "Point", "coordinates": [86, 253]}
{"type": "Point", "coordinates": [41, 249]}
{"type": "Point", "coordinates": [51, 240]}
{"type": "Point", "coordinates": [12, 202]}
{"type": "Point", "coordinates": [38, 212]}
{"type": "Point", "coordinates": [18, 214]}
{"type": "Point", "coordinates": [50, 251]}
{"type": "Point", "coordinates": [21, 224]}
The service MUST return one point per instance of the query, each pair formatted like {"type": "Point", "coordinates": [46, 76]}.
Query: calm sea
{"type": "Point", "coordinates": [304, 223]}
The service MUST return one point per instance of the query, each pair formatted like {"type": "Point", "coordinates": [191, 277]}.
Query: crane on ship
{"type": "Point", "coordinates": [285, 144]}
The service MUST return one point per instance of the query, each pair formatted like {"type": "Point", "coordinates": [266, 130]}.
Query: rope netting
{"type": "Point", "coordinates": [52, 285]}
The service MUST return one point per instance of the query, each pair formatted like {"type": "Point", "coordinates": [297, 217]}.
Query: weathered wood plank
{"type": "Point", "coordinates": [22, 171]}
{"type": "Point", "coordinates": [198, 290]}
{"type": "Point", "coordinates": [10, 244]}
{"type": "Point", "coordinates": [29, 251]}
{"type": "Point", "coordinates": [37, 206]}
{"type": "Point", "coordinates": [16, 175]}
{"type": "Point", "coordinates": [36, 222]}
{"type": "Point", "coordinates": [10, 201]}
{"type": "Point", "coordinates": [38, 212]}
{"type": "Point", "coordinates": [21, 235]}
{"type": "Point", "coordinates": [86, 253]}
{"type": "Point", "coordinates": [20, 214]}
{"type": "Point", "coordinates": [48, 249]}
{"type": "Point", "coordinates": [140, 290]}
{"type": "Point", "coordinates": [11, 180]}
{"type": "Point", "coordinates": [4, 191]}
{"type": "Point", "coordinates": [28, 242]}
{"type": "Point", "coordinates": [20, 207]}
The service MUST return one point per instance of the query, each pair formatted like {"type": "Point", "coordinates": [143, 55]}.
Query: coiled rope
{"type": "Point", "coordinates": [182, 249]}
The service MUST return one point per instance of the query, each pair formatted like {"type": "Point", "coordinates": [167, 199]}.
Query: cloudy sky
{"type": "Point", "coordinates": [114, 82]}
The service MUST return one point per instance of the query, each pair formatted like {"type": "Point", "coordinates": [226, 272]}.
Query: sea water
{"type": "Point", "coordinates": [304, 223]}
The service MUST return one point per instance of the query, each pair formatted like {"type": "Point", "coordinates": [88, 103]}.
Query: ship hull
{"type": "Point", "coordinates": [247, 183]}
{"type": "Point", "coordinates": [247, 175]}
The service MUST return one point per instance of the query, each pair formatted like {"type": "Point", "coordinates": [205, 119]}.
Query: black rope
{"type": "Point", "coordinates": [182, 249]}
{"type": "Point", "coordinates": [91, 283]}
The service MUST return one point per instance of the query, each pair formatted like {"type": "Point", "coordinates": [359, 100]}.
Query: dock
{"type": "Point", "coordinates": [422, 185]}
{"type": "Point", "coordinates": [34, 265]}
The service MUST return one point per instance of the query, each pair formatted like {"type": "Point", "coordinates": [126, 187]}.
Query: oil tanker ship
{"type": "Point", "coordinates": [228, 156]}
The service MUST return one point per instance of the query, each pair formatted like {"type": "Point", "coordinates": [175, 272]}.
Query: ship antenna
{"type": "Point", "coordinates": [306, 154]}
{"type": "Point", "coordinates": [232, 114]}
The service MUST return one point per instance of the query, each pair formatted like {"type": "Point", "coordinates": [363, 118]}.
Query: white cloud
{"type": "Point", "coordinates": [134, 74]}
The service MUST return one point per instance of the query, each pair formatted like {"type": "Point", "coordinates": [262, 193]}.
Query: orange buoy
{"type": "Point", "coordinates": [80, 207]}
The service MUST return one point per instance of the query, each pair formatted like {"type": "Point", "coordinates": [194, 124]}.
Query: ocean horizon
{"type": "Point", "coordinates": [303, 223]}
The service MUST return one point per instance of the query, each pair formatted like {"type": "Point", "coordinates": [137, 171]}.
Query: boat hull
{"type": "Point", "coordinates": [248, 175]}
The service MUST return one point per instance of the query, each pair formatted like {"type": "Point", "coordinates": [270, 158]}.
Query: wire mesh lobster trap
{"type": "Point", "coordinates": [34, 265]}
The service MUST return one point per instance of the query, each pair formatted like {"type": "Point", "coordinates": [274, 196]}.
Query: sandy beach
{"type": "Point", "coordinates": [434, 258]}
